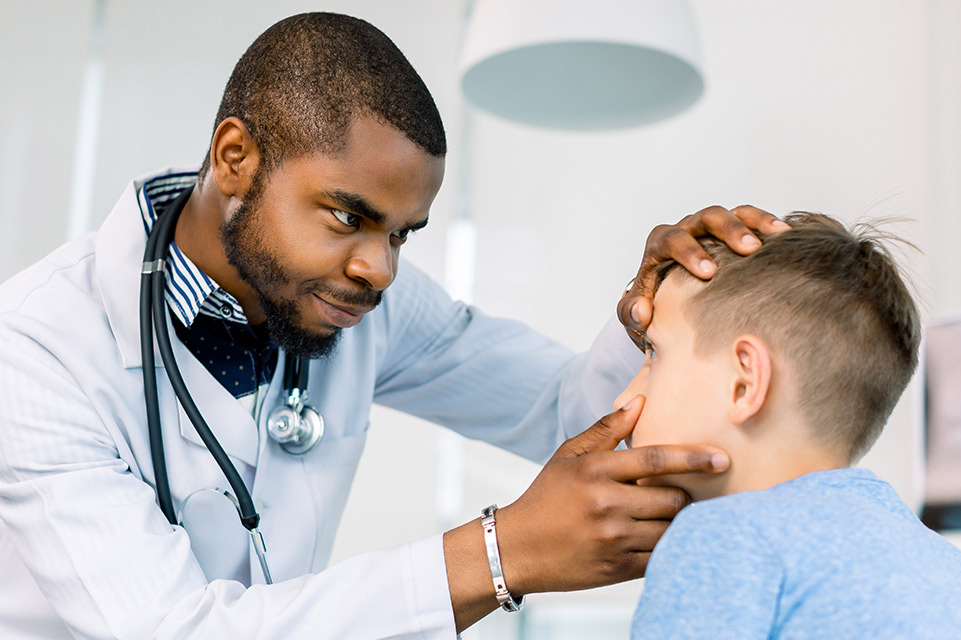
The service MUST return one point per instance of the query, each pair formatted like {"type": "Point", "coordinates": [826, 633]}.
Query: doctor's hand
{"type": "Point", "coordinates": [677, 242]}
{"type": "Point", "coordinates": [584, 521]}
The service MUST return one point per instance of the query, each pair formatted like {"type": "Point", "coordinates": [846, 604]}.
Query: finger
{"type": "Point", "coordinates": [635, 311]}
{"type": "Point", "coordinates": [727, 227]}
{"type": "Point", "coordinates": [658, 460]}
{"type": "Point", "coordinates": [677, 242]}
{"type": "Point", "coordinates": [606, 433]}
{"type": "Point", "coordinates": [646, 533]}
{"type": "Point", "coordinates": [627, 565]}
{"type": "Point", "coordinates": [651, 502]}
{"type": "Point", "coordinates": [760, 220]}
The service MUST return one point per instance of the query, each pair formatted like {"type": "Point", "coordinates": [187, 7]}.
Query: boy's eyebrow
{"type": "Point", "coordinates": [357, 204]}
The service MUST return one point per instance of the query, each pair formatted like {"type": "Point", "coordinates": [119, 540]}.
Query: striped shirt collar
{"type": "Point", "coordinates": [189, 291]}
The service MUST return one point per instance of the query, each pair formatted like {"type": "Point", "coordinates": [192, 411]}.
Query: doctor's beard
{"type": "Point", "coordinates": [260, 268]}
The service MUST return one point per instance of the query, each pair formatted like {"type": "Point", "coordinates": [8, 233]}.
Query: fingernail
{"type": "Point", "coordinates": [706, 266]}
{"type": "Point", "coordinates": [633, 403]}
{"type": "Point", "coordinates": [719, 461]}
{"type": "Point", "coordinates": [780, 224]}
{"type": "Point", "coordinates": [635, 314]}
{"type": "Point", "coordinates": [750, 241]}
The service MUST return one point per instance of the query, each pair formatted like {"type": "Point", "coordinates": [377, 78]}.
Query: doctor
{"type": "Point", "coordinates": [327, 153]}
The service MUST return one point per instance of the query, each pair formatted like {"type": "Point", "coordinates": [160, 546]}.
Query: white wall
{"type": "Point", "coordinates": [847, 107]}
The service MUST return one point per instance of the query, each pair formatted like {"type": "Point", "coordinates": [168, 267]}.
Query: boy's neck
{"type": "Point", "coordinates": [769, 455]}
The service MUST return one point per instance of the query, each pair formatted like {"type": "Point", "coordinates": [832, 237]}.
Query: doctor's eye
{"type": "Point", "coordinates": [347, 219]}
{"type": "Point", "coordinates": [400, 237]}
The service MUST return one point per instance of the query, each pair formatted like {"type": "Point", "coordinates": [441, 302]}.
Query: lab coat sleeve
{"type": "Point", "coordinates": [90, 533]}
{"type": "Point", "coordinates": [494, 379]}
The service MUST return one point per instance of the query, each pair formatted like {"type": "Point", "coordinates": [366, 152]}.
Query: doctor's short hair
{"type": "Point", "coordinates": [300, 83]}
{"type": "Point", "coordinates": [831, 301]}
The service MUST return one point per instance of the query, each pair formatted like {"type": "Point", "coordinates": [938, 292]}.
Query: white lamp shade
{"type": "Point", "coordinates": [570, 64]}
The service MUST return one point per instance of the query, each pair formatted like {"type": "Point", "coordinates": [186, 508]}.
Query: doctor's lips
{"type": "Point", "coordinates": [345, 315]}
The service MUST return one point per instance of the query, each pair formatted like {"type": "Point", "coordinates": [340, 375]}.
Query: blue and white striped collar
{"type": "Point", "coordinates": [189, 291]}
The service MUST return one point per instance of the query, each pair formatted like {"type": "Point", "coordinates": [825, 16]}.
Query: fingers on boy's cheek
{"type": "Point", "coordinates": [656, 481]}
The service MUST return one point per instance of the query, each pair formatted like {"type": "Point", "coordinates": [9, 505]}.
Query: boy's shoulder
{"type": "Point", "coordinates": [824, 508]}
{"type": "Point", "coordinates": [818, 522]}
{"type": "Point", "coordinates": [801, 557]}
{"type": "Point", "coordinates": [845, 487]}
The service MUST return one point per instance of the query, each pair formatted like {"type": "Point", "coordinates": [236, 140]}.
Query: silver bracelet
{"type": "Point", "coordinates": [504, 597]}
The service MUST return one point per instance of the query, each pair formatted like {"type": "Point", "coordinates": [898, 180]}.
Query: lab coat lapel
{"type": "Point", "coordinates": [120, 247]}
{"type": "Point", "coordinates": [229, 421]}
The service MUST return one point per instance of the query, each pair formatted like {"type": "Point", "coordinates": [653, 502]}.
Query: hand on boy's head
{"type": "Point", "coordinates": [677, 242]}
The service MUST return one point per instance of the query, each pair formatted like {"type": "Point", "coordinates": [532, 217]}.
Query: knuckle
{"type": "Point", "coordinates": [658, 235]}
{"type": "Point", "coordinates": [583, 474]}
{"type": "Point", "coordinates": [673, 232]}
{"type": "Point", "coordinates": [678, 500]}
{"type": "Point", "coordinates": [605, 425]}
{"type": "Point", "coordinates": [601, 509]}
{"type": "Point", "coordinates": [710, 215]}
{"type": "Point", "coordinates": [615, 563]}
{"type": "Point", "coordinates": [655, 459]}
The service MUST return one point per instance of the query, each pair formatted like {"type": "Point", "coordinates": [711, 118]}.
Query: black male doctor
{"type": "Point", "coordinates": [327, 152]}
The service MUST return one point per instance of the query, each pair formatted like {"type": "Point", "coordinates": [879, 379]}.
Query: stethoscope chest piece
{"type": "Point", "coordinates": [295, 426]}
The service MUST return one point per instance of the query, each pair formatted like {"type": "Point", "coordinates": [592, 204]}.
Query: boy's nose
{"type": "Point", "coordinates": [637, 386]}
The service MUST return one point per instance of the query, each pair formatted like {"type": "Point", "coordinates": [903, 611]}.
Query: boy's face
{"type": "Point", "coordinates": [686, 393]}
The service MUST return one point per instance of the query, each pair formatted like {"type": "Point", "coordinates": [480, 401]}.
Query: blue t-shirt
{"type": "Point", "coordinates": [832, 554]}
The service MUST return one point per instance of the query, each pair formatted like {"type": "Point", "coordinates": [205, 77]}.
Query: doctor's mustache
{"type": "Point", "coordinates": [338, 295]}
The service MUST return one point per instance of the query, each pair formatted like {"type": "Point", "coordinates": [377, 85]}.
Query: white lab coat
{"type": "Point", "coordinates": [84, 548]}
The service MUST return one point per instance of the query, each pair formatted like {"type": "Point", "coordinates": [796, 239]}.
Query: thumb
{"type": "Point", "coordinates": [606, 433]}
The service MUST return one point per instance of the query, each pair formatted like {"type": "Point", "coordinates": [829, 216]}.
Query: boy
{"type": "Point", "coordinates": [791, 360]}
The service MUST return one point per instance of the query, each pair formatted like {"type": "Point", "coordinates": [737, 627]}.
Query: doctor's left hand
{"type": "Point", "coordinates": [735, 227]}
{"type": "Point", "coordinates": [584, 522]}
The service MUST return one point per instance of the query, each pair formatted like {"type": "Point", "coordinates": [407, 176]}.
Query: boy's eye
{"type": "Point", "coordinates": [650, 352]}
{"type": "Point", "coordinates": [347, 219]}
{"type": "Point", "coordinates": [400, 237]}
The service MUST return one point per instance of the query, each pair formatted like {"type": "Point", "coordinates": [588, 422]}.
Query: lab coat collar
{"type": "Point", "coordinates": [119, 252]}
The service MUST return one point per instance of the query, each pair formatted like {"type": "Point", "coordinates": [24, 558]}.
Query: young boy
{"type": "Point", "coordinates": [791, 360]}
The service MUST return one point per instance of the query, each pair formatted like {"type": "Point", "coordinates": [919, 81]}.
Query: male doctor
{"type": "Point", "coordinates": [327, 152]}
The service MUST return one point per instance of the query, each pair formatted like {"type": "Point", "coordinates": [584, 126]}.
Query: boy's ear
{"type": "Point", "coordinates": [752, 378]}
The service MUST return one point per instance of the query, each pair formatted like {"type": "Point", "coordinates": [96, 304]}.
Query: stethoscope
{"type": "Point", "coordinates": [295, 425]}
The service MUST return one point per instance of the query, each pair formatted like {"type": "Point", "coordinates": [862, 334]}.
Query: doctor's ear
{"type": "Point", "coordinates": [751, 382]}
{"type": "Point", "coordinates": [234, 157]}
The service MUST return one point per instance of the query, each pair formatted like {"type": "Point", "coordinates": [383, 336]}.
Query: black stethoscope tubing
{"type": "Point", "coordinates": [153, 316]}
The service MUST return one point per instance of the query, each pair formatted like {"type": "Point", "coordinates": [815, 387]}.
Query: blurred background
{"type": "Point", "coordinates": [848, 107]}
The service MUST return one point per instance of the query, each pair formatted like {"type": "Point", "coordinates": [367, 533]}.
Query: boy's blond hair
{"type": "Point", "coordinates": [830, 301]}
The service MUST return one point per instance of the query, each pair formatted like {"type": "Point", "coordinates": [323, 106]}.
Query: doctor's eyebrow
{"type": "Point", "coordinates": [356, 204]}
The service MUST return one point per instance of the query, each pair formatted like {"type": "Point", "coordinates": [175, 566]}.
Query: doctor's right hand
{"type": "Point", "coordinates": [585, 521]}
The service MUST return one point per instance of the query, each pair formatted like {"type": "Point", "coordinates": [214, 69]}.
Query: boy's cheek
{"type": "Point", "coordinates": [636, 439]}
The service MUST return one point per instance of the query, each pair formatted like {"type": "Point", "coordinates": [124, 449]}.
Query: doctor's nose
{"type": "Point", "coordinates": [637, 386]}
{"type": "Point", "coordinates": [374, 264]}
